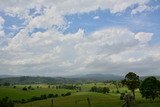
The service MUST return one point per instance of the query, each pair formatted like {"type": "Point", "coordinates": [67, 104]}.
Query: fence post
{"type": "Point", "coordinates": [76, 102]}
{"type": "Point", "coordinates": [52, 103]}
{"type": "Point", "coordinates": [89, 103]}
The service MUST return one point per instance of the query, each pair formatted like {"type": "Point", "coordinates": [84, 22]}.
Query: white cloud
{"type": "Point", "coordinates": [144, 7]}
{"type": "Point", "coordinates": [1, 28]}
{"type": "Point", "coordinates": [96, 17]}
{"type": "Point", "coordinates": [49, 18]}
{"type": "Point", "coordinates": [1, 34]}
{"type": "Point", "coordinates": [53, 53]}
{"type": "Point", "coordinates": [72, 6]}
{"type": "Point", "coordinates": [21, 8]}
{"type": "Point", "coordinates": [144, 37]}
{"type": "Point", "coordinates": [1, 22]}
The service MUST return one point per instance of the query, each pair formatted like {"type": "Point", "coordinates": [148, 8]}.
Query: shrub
{"type": "Point", "coordinates": [23, 101]}
{"type": "Point", "coordinates": [24, 88]}
{"type": "Point", "coordinates": [67, 94]}
{"type": "Point", "coordinates": [62, 95]}
{"type": "Point", "coordinates": [6, 84]}
{"type": "Point", "coordinates": [43, 97]}
{"type": "Point", "coordinates": [56, 95]}
{"type": "Point", "coordinates": [50, 95]}
{"type": "Point", "coordinates": [5, 102]}
{"type": "Point", "coordinates": [29, 87]}
{"type": "Point", "coordinates": [118, 91]}
{"type": "Point", "coordinates": [100, 89]}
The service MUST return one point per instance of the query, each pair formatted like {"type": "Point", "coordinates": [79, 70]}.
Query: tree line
{"type": "Point", "coordinates": [5, 102]}
{"type": "Point", "coordinates": [70, 87]}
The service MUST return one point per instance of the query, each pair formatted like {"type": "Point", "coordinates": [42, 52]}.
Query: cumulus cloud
{"type": "Point", "coordinates": [1, 22]}
{"type": "Point", "coordinates": [54, 53]}
{"type": "Point", "coordinates": [49, 18]}
{"type": "Point", "coordinates": [1, 28]}
{"type": "Point", "coordinates": [21, 8]}
{"type": "Point", "coordinates": [144, 37]}
{"type": "Point", "coordinates": [142, 8]}
{"type": "Point", "coordinates": [116, 50]}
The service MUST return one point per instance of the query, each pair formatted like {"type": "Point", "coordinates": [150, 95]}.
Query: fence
{"type": "Point", "coordinates": [51, 103]}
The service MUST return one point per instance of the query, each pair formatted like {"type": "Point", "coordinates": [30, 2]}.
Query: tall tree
{"type": "Point", "coordinates": [132, 82]}
{"type": "Point", "coordinates": [150, 88]}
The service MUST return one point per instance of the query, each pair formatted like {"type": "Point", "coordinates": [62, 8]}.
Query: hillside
{"type": "Point", "coordinates": [50, 80]}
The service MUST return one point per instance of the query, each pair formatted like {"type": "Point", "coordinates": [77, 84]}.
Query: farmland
{"type": "Point", "coordinates": [76, 99]}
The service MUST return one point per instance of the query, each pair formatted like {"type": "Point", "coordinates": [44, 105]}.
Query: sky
{"type": "Point", "coordinates": [74, 37]}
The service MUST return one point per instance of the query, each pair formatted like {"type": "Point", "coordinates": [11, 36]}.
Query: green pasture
{"type": "Point", "coordinates": [96, 99]}
{"type": "Point", "coordinates": [77, 99]}
{"type": "Point", "coordinates": [18, 94]}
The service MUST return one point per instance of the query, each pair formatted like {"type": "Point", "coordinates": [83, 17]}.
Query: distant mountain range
{"type": "Point", "coordinates": [99, 77]}
{"type": "Point", "coordinates": [69, 79]}
{"type": "Point", "coordinates": [7, 76]}
{"type": "Point", "coordinates": [87, 76]}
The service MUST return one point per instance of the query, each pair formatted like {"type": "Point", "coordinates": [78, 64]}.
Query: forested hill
{"type": "Point", "coordinates": [70, 79]}
{"type": "Point", "coordinates": [50, 80]}
{"type": "Point", "coordinates": [98, 77]}
{"type": "Point", "coordinates": [36, 80]}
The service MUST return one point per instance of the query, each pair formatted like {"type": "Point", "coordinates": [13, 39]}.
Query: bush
{"type": "Point", "coordinates": [34, 98]}
{"type": "Point", "coordinates": [24, 88]}
{"type": "Point", "coordinates": [62, 95]}
{"type": "Point", "coordinates": [5, 102]}
{"type": "Point", "coordinates": [118, 91]}
{"type": "Point", "coordinates": [50, 95]}
{"type": "Point", "coordinates": [100, 89]}
{"type": "Point", "coordinates": [56, 95]}
{"type": "Point", "coordinates": [105, 90]}
{"type": "Point", "coordinates": [70, 87]}
{"type": "Point", "coordinates": [6, 84]}
{"type": "Point", "coordinates": [43, 97]}
{"type": "Point", "coordinates": [29, 87]}
{"type": "Point", "coordinates": [23, 101]}
{"type": "Point", "coordinates": [32, 88]}
{"type": "Point", "coordinates": [67, 94]}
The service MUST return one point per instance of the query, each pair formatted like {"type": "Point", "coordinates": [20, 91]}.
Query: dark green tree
{"type": "Point", "coordinates": [123, 82]}
{"type": "Point", "coordinates": [132, 82]}
{"type": "Point", "coordinates": [5, 102]}
{"type": "Point", "coordinates": [150, 88]}
{"type": "Point", "coordinates": [6, 84]}
{"type": "Point", "coordinates": [24, 88]}
{"type": "Point", "coordinates": [105, 90]}
{"type": "Point", "coordinates": [30, 87]}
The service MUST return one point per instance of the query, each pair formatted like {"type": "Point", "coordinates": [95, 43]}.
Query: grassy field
{"type": "Point", "coordinates": [96, 99]}
{"type": "Point", "coordinates": [18, 94]}
{"type": "Point", "coordinates": [77, 99]}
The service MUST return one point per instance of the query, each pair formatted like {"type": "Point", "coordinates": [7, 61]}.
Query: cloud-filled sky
{"type": "Point", "coordinates": [68, 37]}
